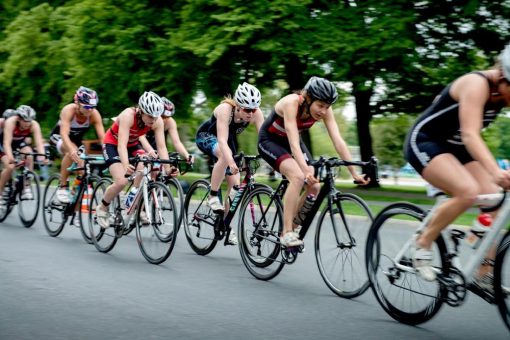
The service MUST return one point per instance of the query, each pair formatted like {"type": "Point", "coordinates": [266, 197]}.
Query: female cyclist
{"type": "Point", "coordinates": [216, 137]}
{"type": "Point", "coordinates": [67, 135]}
{"type": "Point", "coordinates": [170, 128]}
{"type": "Point", "coordinates": [281, 146]}
{"type": "Point", "coordinates": [446, 148]}
{"type": "Point", "coordinates": [121, 141]}
{"type": "Point", "coordinates": [17, 131]}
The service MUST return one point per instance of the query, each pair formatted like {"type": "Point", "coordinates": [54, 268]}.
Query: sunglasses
{"type": "Point", "coordinates": [88, 107]}
{"type": "Point", "coordinates": [248, 110]}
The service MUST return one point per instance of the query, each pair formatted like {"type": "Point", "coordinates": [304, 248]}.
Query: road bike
{"type": "Point", "coordinates": [408, 298]}
{"type": "Point", "coordinates": [152, 212]}
{"type": "Point", "coordinates": [203, 227]}
{"type": "Point", "coordinates": [339, 238]}
{"type": "Point", "coordinates": [56, 214]}
{"type": "Point", "coordinates": [28, 208]}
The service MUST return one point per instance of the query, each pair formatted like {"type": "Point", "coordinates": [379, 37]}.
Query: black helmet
{"type": "Point", "coordinates": [321, 89]}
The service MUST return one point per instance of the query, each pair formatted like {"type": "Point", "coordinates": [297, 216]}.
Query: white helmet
{"type": "Point", "coordinates": [26, 113]}
{"type": "Point", "coordinates": [9, 113]}
{"type": "Point", "coordinates": [247, 96]}
{"type": "Point", "coordinates": [151, 104]}
{"type": "Point", "coordinates": [505, 62]}
{"type": "Point", "coordinates": [169, 107]}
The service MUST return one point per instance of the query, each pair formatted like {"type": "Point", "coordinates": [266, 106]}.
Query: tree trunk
{"type": "Point", "coordinates": [364, 115]}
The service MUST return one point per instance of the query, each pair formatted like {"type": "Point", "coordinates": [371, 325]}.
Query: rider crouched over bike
{"type": "Point", "coordinates": [281, 146]}
{"type": "Point", "coordinates": [67, 135]}
{"type": "Point", "coordinates": [16, 137]}
{"type": "Point", "coordinates": [122, 141]}
{"type": "Point", "coordinates": [216, 138]}
{"type": "Point", "coordinates": [445, 146]}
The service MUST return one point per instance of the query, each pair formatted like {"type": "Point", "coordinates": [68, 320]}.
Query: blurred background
{"type": "Point", "coordinates": [389, 59]}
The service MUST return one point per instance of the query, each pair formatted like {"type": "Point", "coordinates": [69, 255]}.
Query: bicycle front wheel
{"type": "Point", "coordinates": [83, 201]}
{"type": "Point", "coordinates": [400, 291]}
{"type": "Point", "coordinates": [261, 223]}
{"type": "Point", "coordinates": [502, 279]}
{"type": "Point", "coordinates": [340, 240]}
{"type": "Point", "coordinates": [178, 194]}
{"type": "Point", "coordinates": [156, 224]}
{"type": "Point", "coordinates": [28, 207]}
{"type": "Point", "coordinates": [200, 219]}
{"type": "Point", "coordinates": [104, 239]}
{"type": "Point", "coordinates": [54, 214]}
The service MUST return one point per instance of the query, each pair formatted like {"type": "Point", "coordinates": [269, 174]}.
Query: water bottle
{"type": "Point", "coordinates": [233, 192]}
{"type": "Point", "coordinates": [480, 225]}
{"type": "Point", "coordinates": [307, 205]}
{"type": "Point", "coordinates": [130, 197]}
{"type": "Point", "coordinates": [76, 185]}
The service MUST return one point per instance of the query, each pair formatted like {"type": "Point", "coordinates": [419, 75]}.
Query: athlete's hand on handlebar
{"type": "Point", "coordinates": [502, 178]}
{"type": "Point", "coordinates": [130, 169]}
{"type": "Point", "coordinates": [361, 179]}
{"type": "Point", "coordinates": [233, 168]}
{"type": "Point", "coordinates": [310, 179]}
{"type": "Point", "coordinates": [152, 154]}
{"type": "Point", "coordinates": [75, 155]}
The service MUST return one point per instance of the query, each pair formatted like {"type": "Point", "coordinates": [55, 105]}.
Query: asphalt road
{"type": "Point", "coordinates": [63, 288]}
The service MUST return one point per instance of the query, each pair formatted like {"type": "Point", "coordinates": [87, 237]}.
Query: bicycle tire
{"type": "Point", "coordinates": [103, 239]}
{"type": "Point", "coordinates": [502, 279]}
{"type": "Point", "coordinates": [86, 189]}
{"type": "Point", "coordinates": [259, 237]}
{"type": "Point", "coordinates": [9, 207]}
{"type": "Point", "coordinates": [334, 240]}
{"type": "Point", "coordinates": [200, 219]}
{"type": "Point", "coordinates": [52, 210]}
{"type": "Point", "coordinates": [397, 219]}
{"type": "Point", "coordinates": [162, 232]}
{"type": "Point", "coordinates": [24, 209]}
{"type": "Point", "coordinates": [175, 188]}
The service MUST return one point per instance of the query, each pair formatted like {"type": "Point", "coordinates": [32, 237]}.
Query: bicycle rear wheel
{"type": "Point", "coordinates": [84, 199]}
{"type": "Point", "coordinates": [104, 239]}
{"type": "Point", "coordinates": [178, 194]}
{"type": "Point", "coordinates": [502, 279]}
{"type": "Point", "coordinates": [261, 223]}
{"type": "Point", "coordinates": [404, 295]}
{"type": "Point", "coordinates": [28, 208]}
{"type": "Point", "coordinates": [200, 219]}
{"type": "Point", "coordinates": [340, 242]}
{"type": "Point", "coordinates": [157, 239]}
{"type": "Point", "coordinates": [54, 214]}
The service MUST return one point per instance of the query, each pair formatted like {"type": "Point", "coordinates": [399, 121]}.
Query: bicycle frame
{"type": "Point", "coordinates": [502, 219]}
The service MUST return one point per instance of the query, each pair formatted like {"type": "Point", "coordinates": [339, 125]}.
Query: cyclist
{"type": "Point", "coordinates": [6, 114]}
{"type": "Point", "coordinates": [170, 128]}
{"type": "Point", "coordinates": [121, 141]}
{"type": "Point", "coordinates": [216, 137]}
{"type": "Point", "coordinates": [67, 135]}
{"type": "Point", "coordinates": [16, 133]}
{"type": "Point", "coordinates": [281, 146]}
{"type": "Point", "coordinates": [446, 148]}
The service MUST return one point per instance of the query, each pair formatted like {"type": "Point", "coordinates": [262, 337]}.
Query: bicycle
{"type": "Point", "coordinates": [56, 214]}
{"type": "Point", "coordinates": [203, 227]}
{"type": "Point", "coordinates": [339, 239]}
{"type": "Point", "coordinates": [402, 293]}
{"type": "Point", "coordinates": [26, 210]}
{"type": "Point", "coordinates": [153, 213]}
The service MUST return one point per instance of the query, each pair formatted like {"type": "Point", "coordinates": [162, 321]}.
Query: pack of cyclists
{"type": "Point", "coordinates": [444, 145]}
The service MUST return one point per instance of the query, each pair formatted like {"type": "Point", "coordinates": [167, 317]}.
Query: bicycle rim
{"type": "Point", "coordinates": [404, 295]}
{"type": "Point", "coordinates": [261, 223]}
{"type": "Point", "coordinates": [28, 209]}
{"type": "Point", "coordinates": [156, 239]}
{"type": "Point", "coordinates": [104, 239]}
{"type": "Point", "coordinates": [340, 242]}
{"type": "Point", "coordinates": [54, 215]}
{"type": "Point", "coordinates": [502, 279]}
{"type": "Point", "coordinates": [200, 219]}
